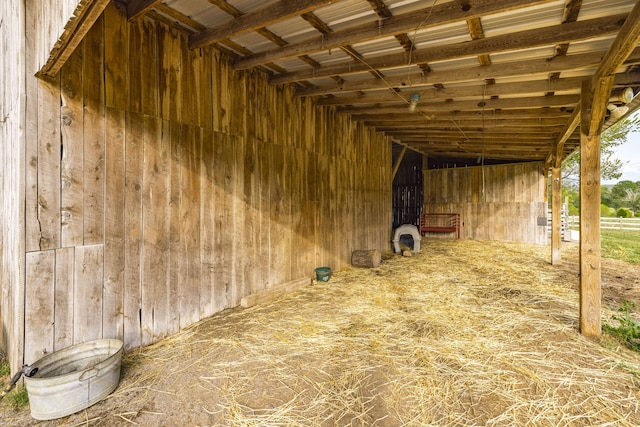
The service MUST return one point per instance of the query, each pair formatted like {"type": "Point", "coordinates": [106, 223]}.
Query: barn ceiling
{"type": "Point", "coordinates": [497, 80]}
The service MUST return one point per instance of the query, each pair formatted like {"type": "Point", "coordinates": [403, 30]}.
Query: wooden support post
{"type": "Point", "coordinates": [396, 166]}
{"type": "Point", "coordinates": [425, 168]}
{"type": "Point", "coordinates": [556, 215]}
{"type": "Point", "coordinates": [594, 99]}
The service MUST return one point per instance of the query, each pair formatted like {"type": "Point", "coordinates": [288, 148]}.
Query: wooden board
{"type": "Point", "coordinates": [64, 294]}
{"type": "Point", "coordinates": [114, 246]}
{"type": "Point", "coordinates": [87, 293]}
{"type": "Point", "coordinates": [48, 166]}
{"type": "Point", "coordinates": [39, 305]}
{"type": "Point", "coordinates": [173, 221]}
{"type": "Point", "coordinates": [155, 230]}
{"type": "Point", "coordinates": [133, 229]}
{"type": "Point", "coordinates": [207, 225]}
{"type": "Point", "coordinates": [188, 291]}
{"type": "Point", "coordinates": [94, 134]}
{"type": "Point", "coordinates": [116, 64]}
{"type": "Point", "coordinates": [72, 159]}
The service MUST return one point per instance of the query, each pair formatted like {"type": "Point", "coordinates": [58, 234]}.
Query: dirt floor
{"type": "Point", "coordinates": [464, 334]}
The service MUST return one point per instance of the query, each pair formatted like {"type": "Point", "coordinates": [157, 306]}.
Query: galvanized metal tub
{"type": "Point", "coordinates": [74, 378]}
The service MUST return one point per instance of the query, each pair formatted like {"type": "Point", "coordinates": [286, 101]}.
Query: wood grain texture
{"type": "Point", "coordinates": [501, 202]}
{"type": "Point", "coordinates": [87, 293]}
{"type": "Point", "coordinates": [72, 161]}
{"type": "Point", "coordinates": [114, 246]}
{"type": "Point", "coordinates": [195, 186]}
{"type": "Point", "coordinates": [94, 135]}
{"type": "Point", "coordinates": [39, 304]}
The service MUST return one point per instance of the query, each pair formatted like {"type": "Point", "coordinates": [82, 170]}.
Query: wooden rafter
{"type": "Point", "coordinates": [564, 33]}
{"type": "Point", "coordinates": [137, 8]}
{"type": "Point", "coordinates": [406, 23]}
{"type": "Point", "coordinates": [268, 15]}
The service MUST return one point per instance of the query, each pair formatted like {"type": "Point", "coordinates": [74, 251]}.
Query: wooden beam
{"type": "Point", "coordinates": [626, 41]}
{"type": "Point", "coordinates": [475, 90]}
{"type": "Point", "coordinates": [409, 22]}
{"type": "Point", "coordinates": [477, 32]}
{"type": "Point", "coordinates": [471, 74]}
{"type": "Point", "coordinates": [623, 48]}
{"type": "Point", "coordinates": [562, 33]}
{"type": "Point", "coordinates": [137, 8]}
{"type": "Point", "coordinates": [556, 215]}
{"type": "Point", "coordinates": [396, 165]}
{"type": "Point", "coordinates": [594, 100]}
{"type": "Point", "coordinates": [490, 104]}
{"type": "Point", "coordinates": [261, 18]}
{"type": "Point", "coordinates": [556, 155]}
{"type": "Point", "coordinates": [454, 116]}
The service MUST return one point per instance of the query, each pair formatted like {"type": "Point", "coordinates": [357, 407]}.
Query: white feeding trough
{"type": "Point", "coordinates": [74, 378]}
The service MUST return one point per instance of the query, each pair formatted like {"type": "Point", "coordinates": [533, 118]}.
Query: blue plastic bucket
{"type": "Point", "coordinates": [323, 274]}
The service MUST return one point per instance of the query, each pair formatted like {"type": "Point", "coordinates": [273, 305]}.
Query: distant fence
{"type": "Point", "coordinates": [608, 223]}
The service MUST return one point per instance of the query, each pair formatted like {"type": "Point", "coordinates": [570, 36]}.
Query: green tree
{"type": "Point", "coordinates": [632, 198]}
{"type": "Point", "coordinates": [610, 166]}
{"type": "Point", "coordinates": [619, 193]}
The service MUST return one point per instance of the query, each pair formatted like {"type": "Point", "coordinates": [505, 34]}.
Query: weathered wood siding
{"type": "Point", "coordinates": [163, 186]}
{"type": "Point", "coordinates": [501, 202]}
{"type": "Point", "coordinates": [12, 135]}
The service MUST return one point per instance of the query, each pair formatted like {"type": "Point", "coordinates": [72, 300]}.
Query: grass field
{"type": "Point", "coordinates": [621, 244]}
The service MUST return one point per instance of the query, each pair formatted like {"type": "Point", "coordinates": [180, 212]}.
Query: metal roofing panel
{"type": "Point", "coordinates": [201, 11]}
{"type": "Point", "coordinates": [597, 8]}
{"type": "Point", "coordinates": [525, 19]}
{"type": "Point", "coordinates": [346, 13]}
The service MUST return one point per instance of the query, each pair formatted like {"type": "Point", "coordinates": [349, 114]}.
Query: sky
{"type": "Point", "coordinates": [629, 153]}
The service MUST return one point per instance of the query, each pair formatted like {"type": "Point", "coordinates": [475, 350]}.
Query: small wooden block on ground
{"type": "Point", "coordinates": [369, 258]}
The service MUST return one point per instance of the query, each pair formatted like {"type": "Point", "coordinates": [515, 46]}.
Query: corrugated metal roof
{"type": "Point", "coordinates": [445, 59]}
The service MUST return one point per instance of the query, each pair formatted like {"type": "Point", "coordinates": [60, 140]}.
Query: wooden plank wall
{"type": "Point", "coordinates": [499, 202]}
{"type": "Point", "coordinates": [50, 18]}
{"type": "Point", "coordinates": [162, 187]}
{"type": "Point", "coordinates": [12, 137]}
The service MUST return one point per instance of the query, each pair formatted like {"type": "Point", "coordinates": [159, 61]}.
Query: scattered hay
{"type": "Point", "coordinates": [463, 334]}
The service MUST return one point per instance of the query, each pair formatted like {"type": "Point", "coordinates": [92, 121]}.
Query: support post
{"type": "Point", "coordinates": [396, 166]}
{"type": "Point", "coordinates": [594, 100]}
{"type": "Point", "coordinates": [556, 215]}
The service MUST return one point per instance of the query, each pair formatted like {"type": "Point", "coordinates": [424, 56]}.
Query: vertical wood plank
{"type": "Point", "coordinates": [155, 213]}
{"type": "Point", "coordinates": [149, 67]}
{"type": "Point", "coordinates": [116, 59]}
{"type": "Point", "coordinates": [114, 260]}
{"type": "Point", "coordinates": [223, 233]}
{"type": "Point", "coordinates": [189, 298]}
{"type": "Point", "coordinates": [72, 161]}
{"type": "Point", "coordinates": [263, 253]}
{"type": "Point", "coordinates": [39, 303]}
{"type": "Point", "coordinates": [207, 225]}
{"type": "Point", "coordinates": [279, 245]}
{"type": "Point", "coordinates": [205, 93]}
{"type": "Point", "coordinates": [32, 223]}
{"type": "Point", "coordinates": [176, 251]}
{"type": "Point", "coordinates": [133, 176]}
{"type": "Point", "coordinates": [94, 135]}
{"type": "Point", "coordinates": [134, 44]}
{"type": "Point", "coordinates": [87, 295]}
{"type": "Point", "coordinates": [48, 165]}
{"type": "Point", "coordinates": [556, 215]}
{"type": "Point", "coordinates": [63, 305]}
{"type": "Point", "coordinates": [189, 84]}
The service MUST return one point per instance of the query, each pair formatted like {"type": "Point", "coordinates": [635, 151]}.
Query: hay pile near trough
{"type": "Point", "coordinates": [464, 334]}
